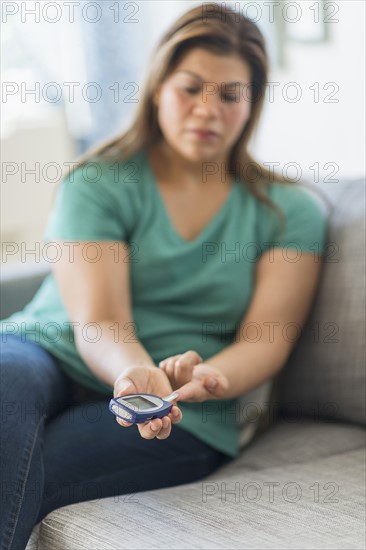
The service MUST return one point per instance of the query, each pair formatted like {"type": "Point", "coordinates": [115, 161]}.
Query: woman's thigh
{"type": "Point", "coordinates": [32, 389]}
{"type": "Point", "coordinates": [88, 456]}
{"type": "Point", "coordinates": [32, 384]}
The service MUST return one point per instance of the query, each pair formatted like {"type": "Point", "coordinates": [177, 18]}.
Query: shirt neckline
{"type": "Point", "coordinates": [208, 227]}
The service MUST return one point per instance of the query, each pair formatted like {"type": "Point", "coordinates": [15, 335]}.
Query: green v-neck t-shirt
{"type": "Point", "coordinates": [185, 295]}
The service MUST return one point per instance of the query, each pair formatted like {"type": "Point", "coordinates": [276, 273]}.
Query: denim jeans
{"type": "Point", "coordinates": [61, 445]}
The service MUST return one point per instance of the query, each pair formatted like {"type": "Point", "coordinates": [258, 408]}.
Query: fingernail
{"type": "Point", "coordinates": [175, 413]}
{"type": "Point", "coordinates": [212, 383]}
{"type": "Point", "coordinates": [154, 428]}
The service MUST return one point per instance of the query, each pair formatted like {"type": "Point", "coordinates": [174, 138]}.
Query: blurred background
{"type": "Point", "coordinates": [71, 74]}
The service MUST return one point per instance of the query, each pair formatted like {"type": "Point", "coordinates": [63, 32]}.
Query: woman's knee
{"type": "Point", "coordinates": [24, 362]}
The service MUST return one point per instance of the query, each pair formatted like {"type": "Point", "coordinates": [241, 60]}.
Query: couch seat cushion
{"type": "Point", "coordinates": [298, 485]}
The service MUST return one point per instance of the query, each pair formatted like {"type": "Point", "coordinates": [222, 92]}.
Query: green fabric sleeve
{"type": "Point", "coordinates": [305, 223]}
{"type": "Point", "coordinates": [89, 205]}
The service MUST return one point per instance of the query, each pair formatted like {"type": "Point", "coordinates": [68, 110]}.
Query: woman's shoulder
{"type": "Point", "coordinates": [107, 170]}
{"type": "Point", "coordinates": [305, 217]}
{"type": "Point", "coordinates": [293, 197]}
{"type": "Point", "coordinates": [99, 200]}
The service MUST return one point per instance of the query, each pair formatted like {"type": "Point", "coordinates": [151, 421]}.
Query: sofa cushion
{"type": "Point", "coordinates": [315, 504]}
{"type": "Point", "coordinates": [325, 375]}
{"type": "Point", "coordinates": [292, 441]}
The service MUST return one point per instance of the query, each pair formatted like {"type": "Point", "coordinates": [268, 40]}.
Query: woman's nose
{"type": "Point", "coordinates": [208, 103]}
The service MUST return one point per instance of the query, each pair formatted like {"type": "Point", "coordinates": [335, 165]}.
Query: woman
{"type": "Point", "coordinates": [183, 265]}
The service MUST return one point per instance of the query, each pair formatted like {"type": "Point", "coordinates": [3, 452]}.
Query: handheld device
{"type": "Point", "coordinates": [140, 407]}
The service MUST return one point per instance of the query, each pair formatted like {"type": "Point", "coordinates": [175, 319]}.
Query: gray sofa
{"type": "Point", "coordinates": [301, 482]}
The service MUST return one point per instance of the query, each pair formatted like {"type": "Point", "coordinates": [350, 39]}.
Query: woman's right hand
{"type": "Point", "coordinates": [152, 380]}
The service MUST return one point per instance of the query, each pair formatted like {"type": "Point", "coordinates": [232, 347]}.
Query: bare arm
{"type": "Point", "coordinates": [283, 295]}
{"type": "Point", "coordinates": [99, 293]}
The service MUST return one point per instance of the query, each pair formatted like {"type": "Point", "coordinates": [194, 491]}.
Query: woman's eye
{"type": "Point", "coordinates": [230, 98]}
{"type": "Point", "coordinates": [191, 90]}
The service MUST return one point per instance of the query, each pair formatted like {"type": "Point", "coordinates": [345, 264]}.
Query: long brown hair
{"type": "Point", "coordinates": [222, 31]}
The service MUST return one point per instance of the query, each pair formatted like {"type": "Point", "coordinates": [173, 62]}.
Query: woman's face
{"type": "Point", "coordinates": [204, 105]}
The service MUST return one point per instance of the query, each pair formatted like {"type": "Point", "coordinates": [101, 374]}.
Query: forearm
{"type": "Point", "coordinates": [247, 365]}
{"type": "Point", "coordinates": [116, 349]}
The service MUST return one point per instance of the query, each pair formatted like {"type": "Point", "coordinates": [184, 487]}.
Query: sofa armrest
{"type": "Point", "coordinates": [18, 284]}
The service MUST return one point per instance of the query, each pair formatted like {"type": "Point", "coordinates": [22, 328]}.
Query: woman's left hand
{"type": "Point", "coordinates": [194, 380]}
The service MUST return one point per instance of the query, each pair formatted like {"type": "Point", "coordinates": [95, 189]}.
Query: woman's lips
{"type": "Point", "coordinates": [204, 134]}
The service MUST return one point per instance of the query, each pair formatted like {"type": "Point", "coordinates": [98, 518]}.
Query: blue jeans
{"type": "Point", "coordinates": [61, 445]}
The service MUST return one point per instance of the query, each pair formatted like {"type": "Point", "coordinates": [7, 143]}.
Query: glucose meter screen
{"type": "Point", "coordinates": [141, 402]}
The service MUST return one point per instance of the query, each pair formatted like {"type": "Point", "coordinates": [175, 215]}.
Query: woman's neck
{"type": "Point", "coordinates": [193, 175]}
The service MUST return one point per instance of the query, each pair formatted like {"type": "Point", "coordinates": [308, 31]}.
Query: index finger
{"type": "Point", "coordinates": [191, 392]}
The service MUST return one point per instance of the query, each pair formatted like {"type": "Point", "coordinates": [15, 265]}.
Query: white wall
{"type": "Point", "coordinates": [26, 202]}
{"type": "Point", "coordinates": [307, 132]}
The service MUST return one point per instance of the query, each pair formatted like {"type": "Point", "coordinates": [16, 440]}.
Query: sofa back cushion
{"type": "Point", "coordinates": [325, 376]}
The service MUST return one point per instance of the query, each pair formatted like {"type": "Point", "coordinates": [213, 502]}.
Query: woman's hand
{"type": "Point", "coordinates": [194, 380]}
{"type": "Point", "coordinates": [148, 380]}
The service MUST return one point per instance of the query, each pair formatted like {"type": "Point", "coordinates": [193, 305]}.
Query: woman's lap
{"type": "Point", "coordinates": [91, 456]}
{"type": "Point", "coordinates": [82, 452]}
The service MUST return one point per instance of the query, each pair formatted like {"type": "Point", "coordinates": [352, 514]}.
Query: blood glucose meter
{"type": "Point", "coordinates": [140, 407]}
